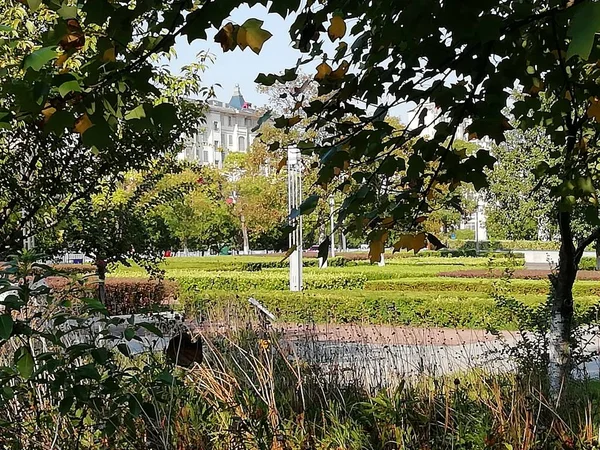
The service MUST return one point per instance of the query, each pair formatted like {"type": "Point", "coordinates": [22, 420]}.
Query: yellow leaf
{"type": "Point", "coordinates": [377, 246]}
{"type": "Point", "coordinates": [336, 171]}
{"type": "Point", "coordinates": [568, 95]}
{"type": "Point", "coordinates": [82, 124]}
{"type": "Point", "coordinates": [251, 34]}
{"type": "Point", "coordinates": [339, 73]}
{"type": "Point", "coordinates": [281, 164]}
{"type": "Point", "coordinates": [293, 121]}
{"type": "Point", "coordinates": [323, 70]}
{"type": "Point", "coordinates": [226, 37]}
{"type": "Point", "coordinates": [48, 111]}
{"type": "Point", "coordinates": [413, 242]}
{"type": "Point", "coordinates": [594, 109]}
{"type": "Point", "coordinates": [60, 61]}
{"type": "Point", "coordinates": [109, 55]}
{"type": "Point", "coordinates": [388, 222]}
{"type": "Point", "coordinates": [337, 28]}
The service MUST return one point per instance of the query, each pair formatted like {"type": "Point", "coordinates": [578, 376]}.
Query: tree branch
{"type": "Point", "coordinates": [593, 236]}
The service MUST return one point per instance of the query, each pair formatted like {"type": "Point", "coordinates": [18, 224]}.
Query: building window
{"type": "Point", "coordinates": [216, 145]}
{"type": "Point", "coordinates": [242, 144]}
{"type": "Point", "coordinates": [230, 140]}
{"type": "Point", "coordinates": [230, 121]}
{"type": "Point", "coordinates": [216, 125]}
{"type": "Point", "coordinates": [205, 156]}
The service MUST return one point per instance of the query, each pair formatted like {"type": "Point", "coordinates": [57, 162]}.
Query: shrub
{"type": "Point", "coordinates": [454, 309]}
{"type": "Point", "coordinates": [483, 285]}
{"type": "Point", "coordinates": [127, 295]}
{"type": "Point", "coordinates": [276, 281]}
{"type": "Point", "coordinates": [587, 263]}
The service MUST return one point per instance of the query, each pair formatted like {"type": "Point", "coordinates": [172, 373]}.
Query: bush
{"type": "Point", "coordinates": [273, 281]}
{"type": "Point", "coordinates": [587, 263]}
{"type": "Point", "coordinates": [127, 295]}
{"type": "Point", "coordinates": [256, 266]}
{"type": "Point", "coordinates": [431, 309]}
{"type": "Point", "coordinates": [503, 245]}
{"type": "Point", "coordinates": [483, 285]}
{"type": "Point", "coordinates": [132, 295]}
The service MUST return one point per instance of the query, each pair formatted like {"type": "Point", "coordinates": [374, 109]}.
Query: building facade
{"type": "Point", "coordinates": [228, 129]}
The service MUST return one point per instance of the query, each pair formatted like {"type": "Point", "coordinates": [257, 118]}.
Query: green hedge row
{"type": "Point", "coordinates": [503, 245]}
{"type": "Point", "coordinates": [418, 309]}
{"type": "Point", "coordinates": [272, 281]}
{"type": "Point", "coordinates": [482, 285]}
{"type": "Point", "coordinates": [256, 266]}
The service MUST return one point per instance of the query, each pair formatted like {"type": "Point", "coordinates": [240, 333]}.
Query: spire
{"type": "Point", "coordinates": [237, 100]}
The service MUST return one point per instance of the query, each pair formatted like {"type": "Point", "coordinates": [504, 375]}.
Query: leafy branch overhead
{"type": "Point", "coordinates": [87, 69]}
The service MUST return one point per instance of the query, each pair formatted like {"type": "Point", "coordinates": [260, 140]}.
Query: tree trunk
{"type": "Point", "coordinates": [561, 320]}
{"type": "Point", "coordinates": [101, 272]}
{"type": "Point", "coordinates": [245, 235]}
{"type": "Point", "coordinates": [598, 254]}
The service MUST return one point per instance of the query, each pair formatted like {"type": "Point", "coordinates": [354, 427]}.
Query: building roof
{"type": "Point", "coordinates": [237, 100]}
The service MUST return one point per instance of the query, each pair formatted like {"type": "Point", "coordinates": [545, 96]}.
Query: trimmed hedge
{"type": "Point", "coordinates": [587, 263]}
{"type": "Point", "coordinates": [273, 281]}
{"type": "Point", "coordinates": [257, 266]}
{"type": "Point", "coordinates": [482, 285]}
{"type": "Point", "coordinates": [415, 309]}
{"type": "Point", "coordinates": [127, 295]}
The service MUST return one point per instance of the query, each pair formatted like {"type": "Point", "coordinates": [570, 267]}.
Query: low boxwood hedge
{"type": "Point", "coordinates": [456, 310]}
{"type": "Point", "coordinates": [268, 280]}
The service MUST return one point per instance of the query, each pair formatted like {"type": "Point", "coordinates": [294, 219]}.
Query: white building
{"type": "Point", "coordinates": [227, 129]}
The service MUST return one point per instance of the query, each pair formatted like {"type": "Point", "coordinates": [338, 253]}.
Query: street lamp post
{"type": "Point", "coordinates": [477, 224]}
{"type": "Point", "coordinates": [332, 224]}
{"type": "Point", "coordinates": [294, 200]}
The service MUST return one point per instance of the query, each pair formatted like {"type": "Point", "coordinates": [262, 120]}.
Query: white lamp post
{"type": "Point", "coordinates": [331, 224]}
{"type": "Point", "coordinates": [294, 200]}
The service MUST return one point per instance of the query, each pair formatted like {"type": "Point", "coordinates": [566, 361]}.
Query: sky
{"type": "Point", "coordinates": [242, 67]}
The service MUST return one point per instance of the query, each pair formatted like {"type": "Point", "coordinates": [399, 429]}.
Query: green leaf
{"type": "Point", "coordinates": [124, 349]}
{"type": "Point", "coordinates": [34, 5]}
{"type": "Point", "coordinates": [583, 28]}
{"type": "Point", "coordinates": [151, 328]}
{"type": "Point", "coordinates": [65, 404]}
{"type": "Point", "coordinates": [6, 326]}
{"type": "Point", "coordinates": [165, 114]}
{"type": "Point", "coordinates": [306, 207]}
{"type": "Point", "coordinates": [59, 122]}
{"type": "Point", "coordinates": [68, 87]}
{"type": "Point", "coordinates": [39, 58]}
{"type": "Point", "coordinates": [266, 116]}
{"type": "Point", "coordinates": [5, 28]}
{"type": "Point", "coordinates": [129, 333]}
{"type": "Point", "coordinates": [136, 113]}
{"type": "Point", "coordinates": [94, 304]}
{"type": "Point", "coordinates": [24, 362]}
{"type": "Point", "coordinates": [266, 80]}
{"type": "Point", "coordinates": [324, 249]}
{"type": "Point", "coordinates": [67, 12]}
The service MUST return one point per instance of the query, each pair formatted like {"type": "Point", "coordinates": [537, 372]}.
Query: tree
{"type": "Point", "coordinates": [518, 206]}
{"type": "Point", "coordinates": [420, 52]}
{"type": "Point", "coordinates": [202, 219]}
{"type": "Point", "coordinates": [260, 199]}
{"type": "Point", "coordinates": [82, 99]}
